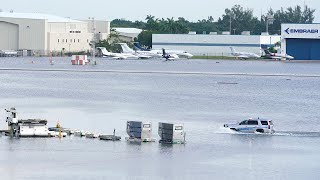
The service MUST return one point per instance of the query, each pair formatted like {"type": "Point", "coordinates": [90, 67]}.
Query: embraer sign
{"type": "Point", "coordinates": [301, 31]}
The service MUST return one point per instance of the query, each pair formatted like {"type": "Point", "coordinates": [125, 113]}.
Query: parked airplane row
{"type": "Point", "coordinates": [128, 53]}
{"type": "Point", "coordinates": [142, 53]}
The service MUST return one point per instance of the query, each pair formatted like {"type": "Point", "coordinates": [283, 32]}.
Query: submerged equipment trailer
{"type": "Point", "coordinates": [171, 133]}
{"type": "Point", "coordinates": [25, 128]}
{"type": "Point", "coordinates": [139, 131]}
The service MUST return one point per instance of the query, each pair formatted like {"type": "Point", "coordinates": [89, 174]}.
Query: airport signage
{"type": "Point", "coordinates": [301, 31]}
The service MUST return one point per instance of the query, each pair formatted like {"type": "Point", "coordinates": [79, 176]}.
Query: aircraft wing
{"type": "Point", "coordinates": [243, 56]}
{"type": "Point", "coordinates": [144, 56]}
{"type": "Point", "coordinates": [276, 57]}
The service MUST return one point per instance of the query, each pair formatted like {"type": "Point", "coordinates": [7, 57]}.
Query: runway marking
{"type": "Point", "coordinates": [160, 72]}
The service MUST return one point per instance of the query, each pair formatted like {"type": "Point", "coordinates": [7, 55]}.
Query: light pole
{"type": "Point", "coordinates": [231, 16]}
{"type": "Point", "coordinates": [269, 20]}
{"type": "Point", "coordinates": [93, 41]}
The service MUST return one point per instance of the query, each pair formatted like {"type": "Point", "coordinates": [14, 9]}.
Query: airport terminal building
{"type": "Point", "coordinates": [43, 33]}
{"type": "Point", "coordinates": [301, 41]}
{"type": "Point", "coordinates": [213, 44]}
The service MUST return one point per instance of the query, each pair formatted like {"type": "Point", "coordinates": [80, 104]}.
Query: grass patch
{"type": "Point", "coordinates": [211, 57]}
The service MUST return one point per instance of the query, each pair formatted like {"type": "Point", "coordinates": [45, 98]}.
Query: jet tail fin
{"type": "Point", "coordinates": [233, 51]}
{"type": "Point", "coordinates": [163, 52]}
{"type": "Point", "coordinates": [137, 45]}
{"type": "Point", "coordinates": [126, 48]}
{"type": "Point", "coordinates": [104, 51]}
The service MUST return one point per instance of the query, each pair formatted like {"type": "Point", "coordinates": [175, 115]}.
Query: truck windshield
{"type": "Point", "coordinates": [178, 128]}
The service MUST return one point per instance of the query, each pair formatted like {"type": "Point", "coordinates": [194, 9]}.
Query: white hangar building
{"type": "Point", "coordinates": [128, 34]}
{"type": "Point", "coordinates": [42, 33]}
{"type": "Point", "coordinates": [214, 45]}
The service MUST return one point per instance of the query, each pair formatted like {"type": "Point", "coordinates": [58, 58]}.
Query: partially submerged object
{"type": "Point", "coordinates": [91, 135]}
{"type": "Point", "coordinates": [57, 134]}
{"type": "Point", "coordinates": [110, 137]}
{"type": "Point", "coordinates": [171, 133]}
{"type": "Point", "coordinates": [25, 128]}
{"type": "Point", "coordinates": [79, 133]}
{"type": "Point", "coordinates": [62, 130]}
{"type": "Point", "coordinates": [253, 126]}
{"type": "Point", "coordinates": [139, 131]}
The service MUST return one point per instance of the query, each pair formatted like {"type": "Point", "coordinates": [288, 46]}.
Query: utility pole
{"type": "Point", "coordinates": [230, 22]}
{"type": "Point", "coordinates": [269, 20]}
{"type": "Point", "coordinates": [231, 17]}
{"type": "Point", "coordinates": [93, 42]}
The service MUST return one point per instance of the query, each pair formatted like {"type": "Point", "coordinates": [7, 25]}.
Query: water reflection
{"type": "Point", "coordinates": [100, 102]}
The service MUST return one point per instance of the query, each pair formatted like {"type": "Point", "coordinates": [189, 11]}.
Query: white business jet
{"type": "Point", "coordinates": [106, 53]}
{"type": "Point", "coordinates": [277, 56]}
{"type": "Point", "coordinates": [141, 54]}
{"type": "Point", "coordinates": [180, 53]}
{"type": "Point", "coordinates": [243, 55]}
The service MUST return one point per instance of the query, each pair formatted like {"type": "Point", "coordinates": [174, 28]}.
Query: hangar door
{"type": "Point", "coordinates": [304, 49]}
{"type": "Point", "coordinates": [9, 36]}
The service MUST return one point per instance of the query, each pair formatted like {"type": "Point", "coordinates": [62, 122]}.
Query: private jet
{"type": "Point", "coordinates": [106, 53]}
{"type": "Point", "coordinates": [140, 54]}
{"type": "Point", "coordinates": [180, 53]}
{"type": "Point", "coordinates": [169, 57]}
{"type": "Point", "coordinates": [243, 55]}
{"type": "Point", "coordinates": [277, 56]}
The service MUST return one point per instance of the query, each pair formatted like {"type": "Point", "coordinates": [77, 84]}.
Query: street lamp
{"type": "Point", "coordinates": [231, 17]}
{"type": "Point", "coordinates": [93, 41]}
{"type": "Point", "coordinates": [269, 20]}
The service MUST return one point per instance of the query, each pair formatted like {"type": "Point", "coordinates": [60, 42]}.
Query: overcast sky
{"type": "Point", "coordinates": [139, 9]}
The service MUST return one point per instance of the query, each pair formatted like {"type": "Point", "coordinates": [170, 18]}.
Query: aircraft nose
{"type": "Point", "coordinates": [189, 55]}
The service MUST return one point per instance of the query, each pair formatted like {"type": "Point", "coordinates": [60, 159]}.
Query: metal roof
{"type": "Point", "coordinates": [128, 30]}
{"type": "Point", "coordinates": [50, 18]}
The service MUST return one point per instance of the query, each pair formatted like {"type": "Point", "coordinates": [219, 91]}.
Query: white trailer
{"type": "Point", "coordinates": [171, 133]}
{"type": "Point", "coordinates": [139, 131]}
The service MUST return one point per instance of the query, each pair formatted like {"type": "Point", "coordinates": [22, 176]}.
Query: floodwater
{"type": "Point", "coordinates": [201, 94]}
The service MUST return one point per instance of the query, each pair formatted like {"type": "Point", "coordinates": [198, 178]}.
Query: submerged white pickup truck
{"type": "Point", "coordinates": [252, 126]}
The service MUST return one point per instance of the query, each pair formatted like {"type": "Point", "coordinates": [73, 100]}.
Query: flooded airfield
{"type": "Point", "coordinates": [201, 94]}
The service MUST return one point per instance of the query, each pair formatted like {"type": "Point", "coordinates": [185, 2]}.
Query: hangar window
{"type": "Point", "coordinates": [74, 40]}
{"type": "Point", "coordinates": [63, 40]}
{"type": "Point", "coordinates": [66, 40]}
{"type": "Point", "coordinates": [71, 40]}
{"type": "Point", "coordinates": [58, 41]}
{"type": "Point", "coordinates": [78, 40]}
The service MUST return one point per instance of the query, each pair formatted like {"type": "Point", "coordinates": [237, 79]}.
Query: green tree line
{"type": "Point", "coordinates": [242, 19]}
